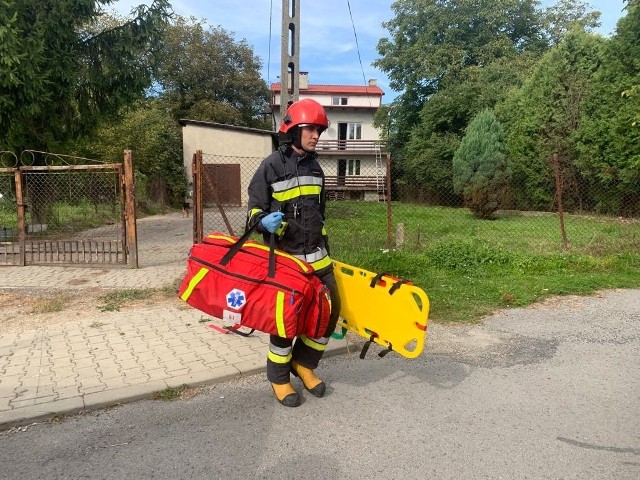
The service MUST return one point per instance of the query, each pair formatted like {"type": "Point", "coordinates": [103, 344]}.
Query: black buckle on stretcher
{"type": "Point", "coordinates": [367, 344]}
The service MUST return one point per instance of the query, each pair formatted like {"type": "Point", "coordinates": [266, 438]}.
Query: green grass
{"type": "Point", "coordinates": [113, 301]}
{"type": "Point", "coordinates": [64, 218]}
{"type": "Point", "coordinates": [470, 268]}
{"type": "Point", "coordinates": [169, 394]}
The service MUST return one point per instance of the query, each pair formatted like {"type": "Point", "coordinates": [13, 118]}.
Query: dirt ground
{"type": "Point", "coordinates": [161, 239]}
{"type": "Point", "coordinates": [34, 309]}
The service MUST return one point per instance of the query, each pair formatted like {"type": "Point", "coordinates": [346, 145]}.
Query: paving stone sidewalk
{"type": "Point", "coordinates": [105, 358]}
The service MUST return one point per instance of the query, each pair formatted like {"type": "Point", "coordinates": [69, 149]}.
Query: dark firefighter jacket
{"type": "Point", "coordinates": [294, 185]}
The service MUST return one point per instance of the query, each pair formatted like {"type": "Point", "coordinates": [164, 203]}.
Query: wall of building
{"type": "Point", "coordinates": [365, 117]}
{"type": "Point", "coordinates": [226, 144]}
{"type": "Point", "coordinates": [368, 166]}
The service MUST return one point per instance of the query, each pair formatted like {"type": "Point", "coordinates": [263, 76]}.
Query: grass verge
{"type": "Point", "coordinates": [469, 268]}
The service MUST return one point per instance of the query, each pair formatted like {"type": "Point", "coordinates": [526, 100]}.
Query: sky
{"type": "Point", "coordinates": [328, 47]}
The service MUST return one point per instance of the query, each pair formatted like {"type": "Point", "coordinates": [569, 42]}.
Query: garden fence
{"type": "Point", "coordinates": [369, 209]}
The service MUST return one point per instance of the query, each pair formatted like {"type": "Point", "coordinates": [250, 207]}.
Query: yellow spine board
{"type": "Point", "coordinates": [397, 321]}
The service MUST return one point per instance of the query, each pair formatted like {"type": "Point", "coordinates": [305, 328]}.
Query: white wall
{"type": "Point", "coordinates": [226, 144]}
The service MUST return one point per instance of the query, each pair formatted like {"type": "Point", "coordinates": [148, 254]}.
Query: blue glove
{"type": "Point", "coordinates": [272, 221]}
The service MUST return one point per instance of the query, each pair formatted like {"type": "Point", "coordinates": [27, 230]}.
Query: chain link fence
{"type": "Point", "coordinates": [368, 211]}
{"type": "Point", "coordinates": [54, 210]}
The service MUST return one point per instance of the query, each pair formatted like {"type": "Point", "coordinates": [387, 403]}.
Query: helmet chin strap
{"type": "Point", "coordinates": [296, 137]}
{"type": "Point", "coordinates": [293, 137]}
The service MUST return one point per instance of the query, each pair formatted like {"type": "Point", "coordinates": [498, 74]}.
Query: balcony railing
{"type": "Point", "coordinates": [350, 146]}
{"type": "Point", "coordinates": [356, 183]}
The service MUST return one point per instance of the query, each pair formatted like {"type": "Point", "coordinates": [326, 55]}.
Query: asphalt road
{"type": "Point", "coordinates": [548, 392]}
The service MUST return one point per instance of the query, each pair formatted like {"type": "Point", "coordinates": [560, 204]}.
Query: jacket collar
{"type": "Point", "coordinates": [289, 152]}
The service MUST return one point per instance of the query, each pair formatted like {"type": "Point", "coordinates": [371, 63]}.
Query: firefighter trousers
{"type": "Point", "coordinates": [304, 350]}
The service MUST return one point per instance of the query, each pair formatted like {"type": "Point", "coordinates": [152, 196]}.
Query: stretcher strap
{"type": "Point", "coordinates": [384, 352]}
{"type": "Point", "coordinates": [230, 329]}
{"type": "Point", "coordinates": [394, 287]}
{"type": "Point", "coordinates": [367, 344]}
{"type": "Point", "coordinates": [235, 329]}
{"type": "Point", "coordinates": [376, 279]}
{"type": "Point", "coordinates": [235, 248]}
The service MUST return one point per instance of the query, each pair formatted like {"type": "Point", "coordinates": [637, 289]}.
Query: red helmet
{"type": "Point", "coordinates": [304, 112]}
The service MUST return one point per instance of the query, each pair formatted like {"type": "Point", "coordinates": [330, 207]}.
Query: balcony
{"type": "Point", "coordinates": [342, 147]}
{"type": "Point", "coordinates": [356, 187]}
{"type": "Point", "coordinates": [356, 182]}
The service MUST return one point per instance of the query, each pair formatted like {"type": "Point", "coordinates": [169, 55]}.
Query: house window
{"type": "Point", "coordinates": [354, 131]}
{"type": "Point", "coordinates": [353, 167]}
{"type": "Point", "coordinates": [339, 101]}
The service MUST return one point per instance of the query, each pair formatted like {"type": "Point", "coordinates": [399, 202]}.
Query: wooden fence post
{"type": "Point", "coordinates": [130, 210]}
{"type": "Point", "coordinates": [21, 218]}
{"type": "Point", "coordinates": [388, 201]}
{"type": "Point", "coordinates": [556, 171]}
{"type": "Point", "coordinates": [198, 207]}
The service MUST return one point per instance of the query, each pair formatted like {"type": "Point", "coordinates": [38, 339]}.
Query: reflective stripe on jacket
{"type": "Point", "coordinates": [292, 184]}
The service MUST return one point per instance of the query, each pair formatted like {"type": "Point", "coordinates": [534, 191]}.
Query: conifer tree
{"type": "Point", "coordinates": [480, 170]}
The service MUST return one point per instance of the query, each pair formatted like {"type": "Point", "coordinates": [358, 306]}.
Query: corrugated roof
{"type": "Point", "coordinates": [346, 89]}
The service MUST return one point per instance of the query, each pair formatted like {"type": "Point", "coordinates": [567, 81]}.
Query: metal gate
{"type": "Point", "coordinates": [58, 209]}
{"type": "Point", "coordinates": [218, 203]}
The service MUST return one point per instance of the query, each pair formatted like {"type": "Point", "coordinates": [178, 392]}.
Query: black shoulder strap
{"type": "Point", "coordinates": [235, 248]}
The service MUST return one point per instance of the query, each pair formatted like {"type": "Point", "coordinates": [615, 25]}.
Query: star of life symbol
{"type": "Point", "coordinates": [236, 299]}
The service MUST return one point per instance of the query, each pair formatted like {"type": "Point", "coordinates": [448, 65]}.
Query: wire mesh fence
{"type": "Point", "coordinates": [368, 210]}
{"type": "Point", "coordinates": [60, 209]}
{"type": "Point", "coordinates": [8, 207]}
{"type": "Point", "coordinates": [69, 203]}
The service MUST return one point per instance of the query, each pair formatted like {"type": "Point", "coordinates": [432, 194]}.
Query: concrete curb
{"type": "Point", "coordinates": [144, 391]}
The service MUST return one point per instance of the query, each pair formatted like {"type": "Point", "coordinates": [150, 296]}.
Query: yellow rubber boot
{"type": "Point", "coordinates": [285, 394]}
{"type": "Point", "coordinates": [311, 382]}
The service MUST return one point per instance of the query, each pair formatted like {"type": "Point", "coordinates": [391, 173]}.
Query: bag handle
{"type": "Point", "coordinates": [235, 248]}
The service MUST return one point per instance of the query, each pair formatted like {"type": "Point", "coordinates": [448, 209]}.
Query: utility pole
{"type": "Point", "coordinates": [289, 55]}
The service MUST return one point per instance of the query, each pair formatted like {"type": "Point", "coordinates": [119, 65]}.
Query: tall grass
{"type": "Point", "coordinates": [470, 268]}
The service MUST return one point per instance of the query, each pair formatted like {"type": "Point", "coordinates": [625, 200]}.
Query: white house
{"type": "Point", "coordinates": [350, 151]}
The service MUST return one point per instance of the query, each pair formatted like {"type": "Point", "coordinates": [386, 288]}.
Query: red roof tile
{"type": "Point", "coordinates": [346, 89]}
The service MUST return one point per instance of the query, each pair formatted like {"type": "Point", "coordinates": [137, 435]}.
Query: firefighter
{"type": "Point", "coordinates": [287, 198]}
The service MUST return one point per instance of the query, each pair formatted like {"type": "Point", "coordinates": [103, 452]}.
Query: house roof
{"type": "Point", "coordinates": [185, 121]}
{"type": "Point", "coordinates": [335, 89]}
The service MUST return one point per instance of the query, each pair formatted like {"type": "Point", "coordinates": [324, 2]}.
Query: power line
{"type": "Point", "coordinates": [364, 78]}
{"type": "Point", "coordinates": [269, 50]}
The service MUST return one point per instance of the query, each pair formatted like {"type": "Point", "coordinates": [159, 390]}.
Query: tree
{"type": "Point", "coordinates": [452, 60]}
{"type": "Point", "coordinates": [432, 41]}
{"type": "Point", "coordinates": [207, 75]}
{"type": "Point", "coordinates": [59, 76]}
{"type": "Point", "coordinates": [543, 117]}
{"type": "Point", "coordinates": [608, 143]}
{"type": "Point", "coordinates": [148, 129]}
{"type": "Point", "coordinates": [480, 170]}
{"type": "Point", "coordinates": [566, 15]}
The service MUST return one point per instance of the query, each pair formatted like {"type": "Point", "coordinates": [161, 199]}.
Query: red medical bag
{"type": "Point", "coordinates": [246, 283]}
